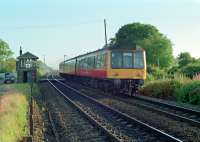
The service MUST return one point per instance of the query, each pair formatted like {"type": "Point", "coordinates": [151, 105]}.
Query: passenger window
{"type": "Point", "coordinates": [127, 60]}
{"type": "Point", "coordinates": [138, 60]}
{"type": "Point", "coordinates": [100, 61]}
{"type": "Point", "coordinates": [91, 62]}
{"type": "Point", "coordinates": [116, 61]}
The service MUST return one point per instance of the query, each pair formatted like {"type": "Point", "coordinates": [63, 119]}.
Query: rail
{"type": "Point", "coordinates": [123, 116]}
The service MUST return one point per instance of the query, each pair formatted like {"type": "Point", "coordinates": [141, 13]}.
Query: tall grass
{"type": "Point", "coordinates": [13, 117]}
{"type": "Point", "coordinates": [177, 87]}
{"type": "Point", "coordinates": [189, 92]}
{"type": "Point", "coordinates": [14, 111]}
{"type": "Point", "coordinates": [181, 78]}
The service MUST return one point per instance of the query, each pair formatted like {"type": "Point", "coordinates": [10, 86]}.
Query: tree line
{"type": "Point", "coordinates": [7, 62]}
{"type": "Point", "coordinates": [158, 49]}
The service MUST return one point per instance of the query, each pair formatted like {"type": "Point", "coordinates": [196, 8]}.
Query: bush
{"type": "Point", "coordinates": [191, 69]}
{"type": "Point", "coordinates": [173, 70]}
{"type": "Point", "coordinates": [156, 72]}
{"type": "Point", "coordinates": [161, 89]}
{"type": "Point", "coordinates": [149, 78]}
{"type": "Point", "coordinates": [194, 96]}
{"type": "Point", "coordinates": [189, 92]}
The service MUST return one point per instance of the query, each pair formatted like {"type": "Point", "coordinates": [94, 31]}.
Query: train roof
{"type": "Point", "coordinates": [104, 48]}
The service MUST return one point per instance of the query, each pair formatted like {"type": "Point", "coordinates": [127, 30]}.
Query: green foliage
{"type": "Point", "coordinates": [14, 111]}
{"type": "Point", "coordinates": [189, 92]}
{"type": "Point", "coordinates": [184, 59]}
{"type": "Point", "coordinates": [13, 122]}
{"type": "Point", "coordinates": [161, 89]}
{"type": "Point", "coordinates": [149, 78]}
{"type": "Point", "coordinates": [7, 64]}
{"type": "Point", "coordinates": [158, 51]}
{"type": "Point", "coordinates": [191, 69]}
{"type": "Point", "coordinates": [158, 47]}
{"type": "Point", "coordinates": [181, 78]}
{"type": "Point", "coordinates": [132, 34]}
{"type": "Point", "coordinates": [5, 51]}
{"type": "Point", "coordinates": [180, 88]}
{"type": "Point", "coordinates": [173, 70]}
{"type": "Point", "coordinates": [187, 65]}
{"type": "Point", "coordinates": [156, 72]}
{"type": "Point", "coordinates": [14, 108]}
{"type": "Point", "coordinates": [43, 69]}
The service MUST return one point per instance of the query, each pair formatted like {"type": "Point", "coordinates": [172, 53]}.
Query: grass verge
{"type": "Point", "coordinates": [14, 111]}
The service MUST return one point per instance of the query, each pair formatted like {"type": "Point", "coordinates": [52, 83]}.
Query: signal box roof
{"type": "Point", "coordinates": [27, 55]}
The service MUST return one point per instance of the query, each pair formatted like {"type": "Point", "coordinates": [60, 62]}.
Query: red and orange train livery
{"type": "Point", "coordinates": [110, 69]}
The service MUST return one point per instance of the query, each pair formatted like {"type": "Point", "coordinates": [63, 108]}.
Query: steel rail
{"type": "Point", "coordinates": [157, 108]}
{"type": "Point", "coordinates": [125, 116]}
{"type": "Point", "coordinates": [51, 121]}
{"type": "Point", "coordinates": [160, 106]}
{"type": "Point", "coordinates": [53, 127]}
{"type": "Point", "coordinates": [112, 136]}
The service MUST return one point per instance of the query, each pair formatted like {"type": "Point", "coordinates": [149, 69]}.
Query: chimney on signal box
{"type": "Point", "coordinates": [20, 51]}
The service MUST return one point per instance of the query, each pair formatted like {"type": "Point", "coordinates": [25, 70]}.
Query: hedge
{"type": "Point", "coordinates": [177, 90]}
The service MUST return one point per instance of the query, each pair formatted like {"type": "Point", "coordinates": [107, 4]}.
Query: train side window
{"type": "Point", "coordinates": [138, 59]}
{"type": "Point", "coordinates": [116, 60]}
{"type": "Point", "coordinates": [81, 64]}
{"type": "Point", "coordinates": [127, 60]}
{"type": "Point", "coordinates": [98, 62]}
{"type": "Point", "coordinates": [85, 63]}
{"type": "Point", "coordinates": [94, 64]}
{"type": "Point", "coordinates": [91, 62]}
{"type": "Point", "coordinates": [104, 60]}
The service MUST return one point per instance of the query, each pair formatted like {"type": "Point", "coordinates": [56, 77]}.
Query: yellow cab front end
{"type": "Point", "coordinates": [126, 64]}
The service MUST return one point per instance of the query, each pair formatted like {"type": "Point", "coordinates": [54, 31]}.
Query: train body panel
{"type": "Point", "coordinates": [126, 74]}
{"type": "Point", "coordinates": [111, 68]}
{"type": "Point", "coordinates": [92, 73]}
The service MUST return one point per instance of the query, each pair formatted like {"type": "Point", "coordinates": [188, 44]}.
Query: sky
{"type": "Point", "coordinates": [54, 28]}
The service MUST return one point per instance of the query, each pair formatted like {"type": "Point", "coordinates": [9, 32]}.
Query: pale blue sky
{"type": "Point", "coordinates": [72, 27]}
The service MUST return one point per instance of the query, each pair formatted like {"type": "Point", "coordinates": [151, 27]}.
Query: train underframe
{"type": "Point", "coordinates": [114, 86]}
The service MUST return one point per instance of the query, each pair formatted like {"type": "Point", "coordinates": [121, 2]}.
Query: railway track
{"type": "Point", "coordinates": [177, 112]}
{"type": "Point", "coordinates": [116, 123]}
{"type": "Point", "coordinates": [51, 121]}
{"type": "Point", "coordinates": [66, 122]}
{"type": "Point", "coordinates": [180, 113]}
{"type": "Point", "coordinates": [55, 133]}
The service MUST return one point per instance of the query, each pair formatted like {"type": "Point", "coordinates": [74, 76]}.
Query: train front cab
{"type": "Point", "coordinates": [126, 69]}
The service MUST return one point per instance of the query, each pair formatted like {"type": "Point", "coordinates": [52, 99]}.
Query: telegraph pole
{"type": "Point", "coordinates": [44, 59]}
{"type": "Point", "coordinates": [106, 42]}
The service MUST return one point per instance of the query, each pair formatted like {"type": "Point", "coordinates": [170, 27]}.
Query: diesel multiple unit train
{"type": "Point", "coordinates": [110, 69]}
